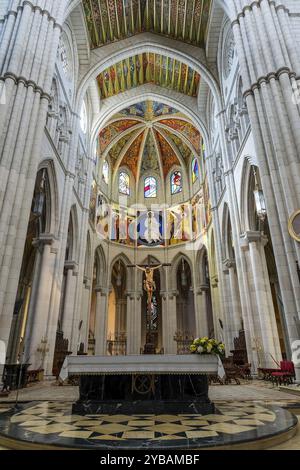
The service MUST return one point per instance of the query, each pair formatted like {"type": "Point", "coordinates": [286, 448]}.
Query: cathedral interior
{"type": "Point", "coordinates": [149, 197]}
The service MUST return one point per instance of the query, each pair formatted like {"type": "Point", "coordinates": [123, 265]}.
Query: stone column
{"type": "Point", "coordinates": [85, 308]}
{"type": "Point", "coordinates": [222, 311]}
{"type": "Point", "coordinates": [29, 43]}
{"type": "Point", "coordinates": [134, 323]}
{"type": "Point", "coordinates": [101, 321]}
{"type": "Point", "coordinates": [68, 326]}
{"type": "Point", "coordinates": [235, 309]}
{"type": "Point", "coordinates": [201, 312]}
{"type": "Point", "coordinates": [169, 322]}
{"type": "Point", "coordinates": [270, 67]}
{"type": "Point", "coordinates": [36, 329]}
{"type": "Point", "coordinates": [264, 305]}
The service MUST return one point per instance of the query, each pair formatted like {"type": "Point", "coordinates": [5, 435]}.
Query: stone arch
{"type": "Point", "coordinates": [212, 252]}
{"type": "Point", "coordinates": [116, 104]}
{"type": "Point", "coordinates": [226, 233]}
{"type": "Point", "coordinates": [72, 242]}
{"type": "Point", "coordinates": [148, 42]}
{"type": "Point", "coordinates": [247, 174]}
{"type": "Point", "coordinates": [175, 265]}
{"type": "Point", "coordinates": [101, 267]}
{"type": "Point", "coordinates": [129, 275]}
{"type": "Point", "coordinates": [52, 216]}
{"type": "Point", "coordinates": [226, 6]}
{"type": "Point", "coordinates": [200, 266]}
{"type": "Point", "coordinates": [88, 258]}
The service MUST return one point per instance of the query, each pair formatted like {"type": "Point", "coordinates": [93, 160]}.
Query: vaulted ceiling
{"type": "Point", "coordinates": [112, 20]}
{"type": "Point", "coordinates": [148, 68]}
{"type": "Point", "coordinates": [149, 136]}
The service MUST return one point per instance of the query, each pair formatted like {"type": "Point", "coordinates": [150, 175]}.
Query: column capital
{"type": "Point", "coordinates": [169, 295]}
{"type": "Point", "coordinates": [134, 295]}
{"type": "Point", "coordinates": [71, 265]}
{"type": "Point", "coordinates": [44, 239]}
{"type": "Point", "coordinates": [201, 289]}
{"type": "Point", "coordinates": [229, 263]}
{"type": "Point", "coordinates": [253, 237]}
{"type": "Point", "coordinates": [104, 291]}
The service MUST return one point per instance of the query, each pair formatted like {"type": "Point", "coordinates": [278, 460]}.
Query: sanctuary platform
{"type": "Point", "coordinates": [235, 425]}
{"type": "Point", "coordinates": [142, 384]}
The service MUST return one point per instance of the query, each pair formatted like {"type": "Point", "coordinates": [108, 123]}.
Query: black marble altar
{"type": "Point", "coordinates": [143, 394]}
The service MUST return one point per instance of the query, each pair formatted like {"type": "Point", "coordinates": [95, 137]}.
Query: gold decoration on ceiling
{"type": "Point", "coordinates": [113, 20]}
{"type": "Point", "coordinates": [148, 68]}
{"type": "Point", "coordinates": [147, 140]}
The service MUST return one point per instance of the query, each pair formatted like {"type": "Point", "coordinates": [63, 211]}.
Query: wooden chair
{"type": "Point", "coordinates": [232, 371]}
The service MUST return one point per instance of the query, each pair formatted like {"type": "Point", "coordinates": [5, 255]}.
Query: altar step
{"type": "Point", "coordinates": [292, 389]}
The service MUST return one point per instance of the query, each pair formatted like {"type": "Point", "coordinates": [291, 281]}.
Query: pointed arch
{"type": "Point", "coordinates": [72, 236]}
{"type": "Point", "coordinates": [175, 265]}
{"type": "Point", "coordinates": [52, 196]}
{"type": "Point", "coordinates": [227, 233]}
{"type": "Point", "coordinates": [201, 260]}
{"type": "Point", "coordinates": [88, 258]}
{"type": "Point", "coordinates": [129, 275]}
{"type": "Point", "coordinates": [101, 267]}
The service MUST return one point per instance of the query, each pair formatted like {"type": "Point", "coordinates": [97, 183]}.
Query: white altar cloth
{"type": "Point", "coordinates": [142, 364]}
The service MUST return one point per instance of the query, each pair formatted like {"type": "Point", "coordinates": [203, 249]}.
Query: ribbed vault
{"type": "Point", "coordinates": [149, 136]}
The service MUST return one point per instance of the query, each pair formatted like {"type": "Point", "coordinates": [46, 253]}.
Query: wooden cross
{"type": "Point", "coordinates": [150, 287]}
{"type": "Point", "coordinates": [148, 265]}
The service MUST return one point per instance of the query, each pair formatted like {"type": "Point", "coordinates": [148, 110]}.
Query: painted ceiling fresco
{"type": "Point", "coordinates": [149, 136]}
{"type": "Point", "coordinates": [148, 68]}
{"type": "Point", "coordinates": [112, 20]}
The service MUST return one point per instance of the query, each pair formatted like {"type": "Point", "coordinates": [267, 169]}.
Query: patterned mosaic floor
{"type": "Point", "coordinates": [54, 424]}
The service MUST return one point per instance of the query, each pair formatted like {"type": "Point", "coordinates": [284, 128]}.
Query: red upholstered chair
{"type": "Point", "coordinates": [284, 375]}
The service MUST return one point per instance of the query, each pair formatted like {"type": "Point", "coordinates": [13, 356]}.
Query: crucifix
{"type": "Point", "coordinates": [149, 287]}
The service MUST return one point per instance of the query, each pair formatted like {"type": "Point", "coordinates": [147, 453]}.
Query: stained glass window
{"type": "Point", "coordinates": [105, 172]}
{"type": "Point", "coordinates": [150, 189]}
{"type": "Point", "coordinates": [176, 182]}
{"type": "Point", "coordinates": [195, 170]}
{"type": "Point", "coordinates": [124, 184]}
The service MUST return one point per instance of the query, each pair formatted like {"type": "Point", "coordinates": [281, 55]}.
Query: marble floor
{"type": "Point", "coordinates": [53, 423]}
{"type": "Point", "coordinates": [253, 410]}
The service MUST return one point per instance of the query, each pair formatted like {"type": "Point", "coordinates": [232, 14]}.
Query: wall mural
{"type": "Point", "coordinates": [110, 20]}
{"type": "Point", "coordinates": [179, 224]}
{"type": "Point", "coordinates": [147, 134]}
{"type": "Point", "coordinates": [141, 142]}
{"type": "Point", "coordinates": [148, 68]}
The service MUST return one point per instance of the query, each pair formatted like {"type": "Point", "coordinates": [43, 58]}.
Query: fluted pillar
{"type": "Point", "coordinates": [169, 322]}
{"type": "Point", "coordinates": [235, 318]}
{"type": "Point", "coordinates": [201, 312]}
{"type": "Point", "coordinates": [101, 321]}
{"type": "Point", "coordinates": [134, 322]}
{"type": "Point", "coordinates": [264, 305]}
{"type": "Point", "coordinates": [269, 63]}
{"type": "Point", "coordinates": [68, 319]}
{"type": "Point", "coordinates": [29, 42]}
{"type": "Point", "coordinates": [38, 315]}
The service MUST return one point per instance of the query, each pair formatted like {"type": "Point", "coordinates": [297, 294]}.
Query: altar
{"type": "Point", "coordinates": [142, 384]}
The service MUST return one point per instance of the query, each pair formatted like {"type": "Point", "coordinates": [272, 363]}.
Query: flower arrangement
{"type": "Point", "coordinates": [207, 346]}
